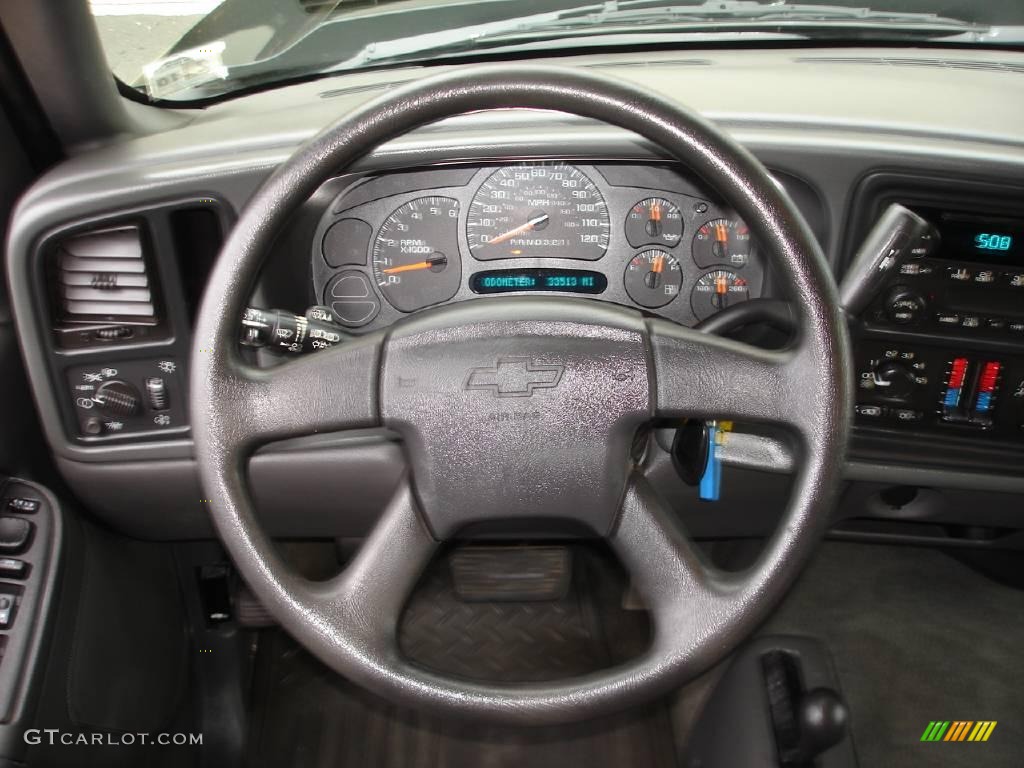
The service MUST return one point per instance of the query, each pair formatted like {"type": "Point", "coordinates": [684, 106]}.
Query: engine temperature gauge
{"type": "Point", "coordinates": [653, 278]}
{"type": "Point", "coordinates": [714, 291]}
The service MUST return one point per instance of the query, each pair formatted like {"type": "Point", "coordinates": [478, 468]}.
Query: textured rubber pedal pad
{"type": "Point", "coordinates": [249, 611]}
{"type": "Point", "coordinates": [511, 574]}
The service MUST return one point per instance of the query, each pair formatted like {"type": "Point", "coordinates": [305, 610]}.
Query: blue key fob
{"type": "Point", "coordinates": [711, 480]}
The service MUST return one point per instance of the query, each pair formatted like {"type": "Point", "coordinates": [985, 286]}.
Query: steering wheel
{"type": "Point", "coordinates": [523, 408]}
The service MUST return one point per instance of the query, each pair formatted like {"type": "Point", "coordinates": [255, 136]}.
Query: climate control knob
{"type": "Point", "coordinates": [894, 380]}
{"type": "Point", "coordinates": [904, 306]}
{"type": "Point", "coordinates": [117, 398]}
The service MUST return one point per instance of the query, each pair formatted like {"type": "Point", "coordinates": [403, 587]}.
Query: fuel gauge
{"type": "Point", "coordinates": [714, 291]}
{"type": "Point", "coordinates": [653, 278]}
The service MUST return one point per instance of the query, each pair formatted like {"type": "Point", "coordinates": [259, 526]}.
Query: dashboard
{"type": "Point", "coordinates": [520, 201]}
{"type": "Point", "coordinates": [642, 236]}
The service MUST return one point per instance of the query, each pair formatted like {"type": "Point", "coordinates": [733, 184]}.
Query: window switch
{"type": "Point", "coordinates": [12, 568]}
{"type": "Point", "coordinates": [6, 610]}
{"type": "Point", "coordinates": [14, 534]}
{"type": "Point", "coordinates": [23, 506]}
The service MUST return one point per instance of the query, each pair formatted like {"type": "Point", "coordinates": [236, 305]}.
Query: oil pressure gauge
{"type": "Point", "coordinates": [654, 221]}
{"type": "Point", "coordinates": [653, 278]}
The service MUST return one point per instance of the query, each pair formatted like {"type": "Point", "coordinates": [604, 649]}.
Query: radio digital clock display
{"type": "Point", "coordinates": [993, 241]}
{"type": "Point", "coordinates": [538, 279]}
{"type": "Point", "coordinates": [970, 237]}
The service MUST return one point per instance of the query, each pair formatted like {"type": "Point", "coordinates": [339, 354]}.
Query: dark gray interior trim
{"type": "Point", "coordinates": [74, 193]}
{"type": "Point", "coordinates": [769, 454]}
{"type": "Point", "coordinates": [830, 145]}
{"type": "Point", "coordinates": [27, 638]}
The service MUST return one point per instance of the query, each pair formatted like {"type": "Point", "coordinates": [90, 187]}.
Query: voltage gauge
{"type": "Point", "coordinates": [722, 241]}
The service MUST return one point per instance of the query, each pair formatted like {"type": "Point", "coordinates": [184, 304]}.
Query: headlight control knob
{"type": "Point", "coordinates": [117, 398]}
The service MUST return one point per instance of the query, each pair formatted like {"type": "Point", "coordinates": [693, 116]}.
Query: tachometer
{"type": "Point", "coordinates": [717, 290]}
{"type": "Point", "coordinates": [722, 241]}
{"type": "Point", "coordinates": [416, 253]}
{"type": "Point", "coordinates": [538, 211]}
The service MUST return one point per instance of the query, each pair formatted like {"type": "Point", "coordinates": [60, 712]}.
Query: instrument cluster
{"type": "Point", "coordinates": [642, 236]}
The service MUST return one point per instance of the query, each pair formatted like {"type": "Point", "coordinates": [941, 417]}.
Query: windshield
{"type": "Point", "coordinates": [187, 50]}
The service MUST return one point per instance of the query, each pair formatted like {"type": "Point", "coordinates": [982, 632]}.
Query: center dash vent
{"type": "Point", "coordinates": [102, 278]}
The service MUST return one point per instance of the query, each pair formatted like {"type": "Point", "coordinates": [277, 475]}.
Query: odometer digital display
{"type": "Point", "coordinates": [539, 279]}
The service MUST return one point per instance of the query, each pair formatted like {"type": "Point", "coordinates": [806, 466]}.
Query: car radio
{"type": "Point", "coordinates": [972, 280]}
{"type": "Point", "coordinates": [941, 298]}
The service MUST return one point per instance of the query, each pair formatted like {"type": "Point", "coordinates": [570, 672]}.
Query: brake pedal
{"type": "Point", "coordinates": [511, 574]}
{"type": "Point", "coordinates": [249, 611]}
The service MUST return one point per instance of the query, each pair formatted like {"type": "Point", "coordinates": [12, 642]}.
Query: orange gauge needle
{"type": "Point", "coordinates": [721, 285]}
{"type": "Point", "coordinates": [656, 212]}
{"type": "Point", "coordinates": [528, 226]}
{"type": "Point", "coordinates": [721, 234]}
{"type": "Point", "coordinates": [418, 265]}
{"type": "Point", "coordinates": [659, 263]}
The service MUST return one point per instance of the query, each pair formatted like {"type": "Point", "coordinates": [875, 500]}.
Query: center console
{"type": "Point", "coordinates": [940, 347]}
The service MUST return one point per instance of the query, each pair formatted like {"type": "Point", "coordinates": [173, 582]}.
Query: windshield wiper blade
{"type": "Point", "coordinates": [714, 16]}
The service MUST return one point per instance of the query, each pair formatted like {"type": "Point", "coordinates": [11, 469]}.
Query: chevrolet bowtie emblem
{"type": "Point", "coordinates": [514, 377]}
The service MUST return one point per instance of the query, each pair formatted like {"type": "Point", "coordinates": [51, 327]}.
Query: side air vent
{"type": "Point", "coordinates": [102, 278]}
{"type": "Point", "coordinates": [903, 61]}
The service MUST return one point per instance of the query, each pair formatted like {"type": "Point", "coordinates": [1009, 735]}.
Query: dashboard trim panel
{"type": "Point", "coordinates": [830, 153]}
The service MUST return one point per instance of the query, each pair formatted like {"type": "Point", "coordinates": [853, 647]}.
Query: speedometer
{"type": "Point", "coordinates": [538, 211]}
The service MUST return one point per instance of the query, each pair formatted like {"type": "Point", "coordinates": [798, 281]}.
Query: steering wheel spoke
{"type": "Point", "coordinates": [700, 375]}
{"type": "Point", "coordinates": [363, 604]}
{"type": "Point", "coordinates": [682, 590]}
{"type": "Point", "coordinates": [331, 390]}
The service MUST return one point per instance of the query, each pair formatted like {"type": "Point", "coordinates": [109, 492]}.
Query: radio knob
{"type": "Point", "coordinates": [894, 380]}
{"type": "Point", "coordinates": [904, 306]}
